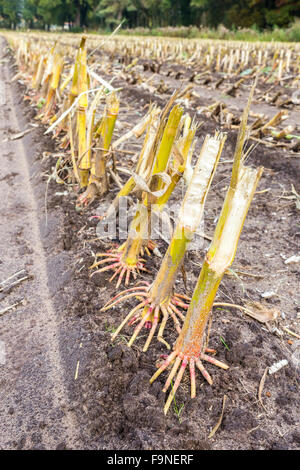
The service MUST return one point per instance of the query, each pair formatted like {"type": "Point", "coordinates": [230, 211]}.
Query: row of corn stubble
{"type": "Point", "coordinates": [81, 110]}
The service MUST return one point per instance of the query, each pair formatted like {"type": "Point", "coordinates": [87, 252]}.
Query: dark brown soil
{"type": "Point", "coordinates": [112, 401]}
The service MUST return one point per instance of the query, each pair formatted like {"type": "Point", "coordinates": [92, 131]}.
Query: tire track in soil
{"type": "Point", "coordinates": [34, 407]}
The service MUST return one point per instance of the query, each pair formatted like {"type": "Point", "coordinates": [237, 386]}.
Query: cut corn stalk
{"type": "Point", "coordinates": [58, 63]}
{"type": "Point", "coordinates": [189, 347]}
{"type": "Point", "coordinates": [144, 167]}
{"type": "Point", "coordinates": [84, 160]}
{"type": "Point", "coordinates": [126, 259]}
{"type": "Point", "coordinates": [98, 178]}
{"type": "Point", "coordinates": [161, 302]}
{"type": "Point", "coordinates": [79, 68]}
{"type": "Point", "coordinates": [139, 129]}
{"type": "Point", "coordinates": [37, 79]}
{"type": "Point", "coordinates": [48, 72]}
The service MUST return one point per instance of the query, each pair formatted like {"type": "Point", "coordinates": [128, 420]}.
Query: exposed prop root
{"type": "Point", "coordinates": [86, 198]}
{"type": "Point", "coordinates": [180, 361]}
{"type": "Point", "coordinates": [120, 268]}
{"type": "Point", "coordinates": [148, 313]}
{"type": "Point", "coordinates": [148, 248]}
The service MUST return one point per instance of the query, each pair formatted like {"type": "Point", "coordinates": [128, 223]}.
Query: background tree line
{"type": "Point", "coordinates": [106, 14]}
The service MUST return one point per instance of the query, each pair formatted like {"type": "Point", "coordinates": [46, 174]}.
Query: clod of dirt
{"type": "Point", "coordinates": [238, 420]}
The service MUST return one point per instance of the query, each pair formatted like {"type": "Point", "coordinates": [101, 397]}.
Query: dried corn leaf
{"type": "Point", "coordinates": [142, 185]}
{"type": "Point", "coordinates": [214, 430]}
{"type": "Point", "coordinates": [261, 312]}
{"type": "Point", "coordinates": [261, 385]}
{"type": "Point", "coordinates": [19, 135]}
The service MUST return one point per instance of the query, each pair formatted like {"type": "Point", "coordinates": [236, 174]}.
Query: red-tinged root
{"type": "Point", "coordinates": [140, 325]}
{"type": "Point", "coordinates": [151, 245]}
{"type": "Point", "coordinates": [151, 316]}
{"type": "Point", "coordinates": [126, 319]}
{"type": "Point", "coordinates": [182, 296]}
{"type": "Point", "coordinates": [165, 356]}
{"type": "Point", "coordinates": [65, 143]}
{"type": "Point", "coordinates": [120, 268]}
{"type": "Point", "coordinates": [86, 198]}
{"type": "Point", "coordinates": [180, 363]}
{"type": "Point", "coordinates": [148, 248]}
{"type": "Point", "coordinates": [109, 304]}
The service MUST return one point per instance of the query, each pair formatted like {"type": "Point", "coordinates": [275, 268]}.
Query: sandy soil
{"type": "Point", "coordinates": [35, 409]}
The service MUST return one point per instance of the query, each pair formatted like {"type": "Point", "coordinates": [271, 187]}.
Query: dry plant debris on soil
{"type": "Point", "coordinates": [146, 119]}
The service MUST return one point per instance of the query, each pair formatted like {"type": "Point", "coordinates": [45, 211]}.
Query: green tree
{"type": "Point", "coordinates": [113, 11]}
{"type": "Point", "coordinates": [29, 12]}
{"type": "Point", "coordinates": [44, 13]}
{"type": "Point", "coordinates": [277, 12]}
{"type": "Point", "coordinates": [79, 10]}
{"type": "Point", "coordinates": [246, 13]}
{"type": "Point", "coordinates": [10, 10]}
{"type": "Point", "coordinates": [150, 13]}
